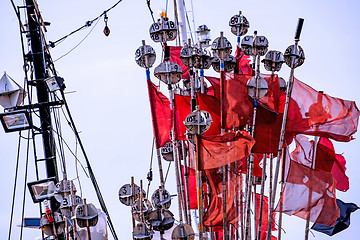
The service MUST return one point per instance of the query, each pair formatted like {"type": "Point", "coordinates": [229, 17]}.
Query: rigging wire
{"type": "Point", "coordinates": [87, 24]}
{"type": "Point", "coordinates": [151, 11]}
{"type": "Point", "coordinates": [150, 174]}
{"type": "Point", "coordinates": [167, 171]}
{"type": "Point", "coordinates": [78, 43]}
{"type": "Point", "coordinates": [25, 181]}
{"type": "Point", "coordinates": [15, 185]}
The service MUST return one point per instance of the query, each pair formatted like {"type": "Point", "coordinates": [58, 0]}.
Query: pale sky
{"type": "Point", "coordinates": [108, 97]}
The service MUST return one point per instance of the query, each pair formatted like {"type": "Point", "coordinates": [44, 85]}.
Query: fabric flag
{"type": "Point", "coordinates": [257, 170]}
{"type": "Point", "coordinates": [309, 192]}
{"type": "Point", "coordinates": [219, 150]}
{"type": "Point", "coordinates": [242, 63]}
{"type": "Point", "coordinates": [272, 97]}
{"type": "Point", "coordinates": [238, 107]}
{"type": "Point", "coordinates": [314, 113]}
{"type": "Point", "coordinates": [214, 90]}
{"type": "Point", "coordinates": [342, 223]}
{"type": "Point", "coordinates": [338, 172]}
{"type": "Point", "coordinates": [326, 159]}
{"type": "Point", "coordinates": [265, 216]}
{"type": "Point", "coordinates": [175, 57]}
{"type": "Point", "coordinates": [183, 109]}
{"type": "Point", "coordinates": [160, 114]}
{"type": "Point", "coordinates": [214, 215]}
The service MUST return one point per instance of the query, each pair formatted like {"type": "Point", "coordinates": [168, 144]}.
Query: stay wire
{"type": "Point", "coordinates": [15, 185]}
{"type": "Point", "coordinates": [87, 24]}
{"type": "Point", "coordinates": [151, 11]}
{"type": "Point", "coordinates": [25, 181]}
{"type": "Point", "coordinates": [78, 43]}
{"type": "Point", "coordinates": [150, 174]}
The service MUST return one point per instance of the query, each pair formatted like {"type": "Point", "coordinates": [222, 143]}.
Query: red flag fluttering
{"type": "Point", "coordinates": [314, 113]}
{"type": "Point", "coordinates": [160, 114]}
{"type": "Point", "coordinates": [214, 90]}
{"type": "Point", "coordinates": [265, 216]}
{"type": "Point", "coordinates": [257, 170]}
{"type": "Point", "coordinates": [214, 215]}
{"type": "Point", "coordinates": [326, 159]}
{"type": "Point", "coordinates": [219, 150]}
{"type": "Point", "coordinates": [242, 63]}
{"type": "Point", "coordinates": [309, 192]}
{"type": "Point", "coordinates": [338, 172]}
{"type": "Point", "coordinates": [175, 57]}
{"type": "Point", "coordinates": [238, 109]}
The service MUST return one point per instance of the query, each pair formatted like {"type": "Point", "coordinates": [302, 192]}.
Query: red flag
{"type": "Point", "coordinates": [309, 191]}
{"type": "Point", "coordinates": [161, 115]}
{"type": "Point", "coordinates": [238, 109]}
{"type": "Point", "coordinates": [326, 159]}
{"type": "Point", "coordinates": [271, 99]}
{"type": "Point", "coordinates": [242, 62]}
{"type": "Point", "coordinates": [214, 90]}
{"type": "Point", "coordinates": [219, 150]}
{"type": "Point", "coordinates": [175, 57]}
{"type": "Point", "coordinates": [265, 216]}
{"type": "Point", "coordinates": [314, 113]}
{"type": "Point", "coordinates": [192, 187]}
{"type": "Point", "coordinates": [182, 110]}
{"type": "Point", "coordinates": [214, 214]}
{"type": "Point", "coordinates": [257, 170]}
{"type": "Point", "coordinates": [304, 153]}
{"type": "Point", "coordinates": [338, 172]}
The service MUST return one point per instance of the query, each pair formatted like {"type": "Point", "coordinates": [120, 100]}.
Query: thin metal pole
{"type": "Point", "coordinates": [173, 140]}
{"type": "Point", "coordinates": [186, 176]}
{"type": "Point", "coordinates": [307, 229]}
{"type": "Point", "coordinates": [283, 125]}
{"type": "Point", "coordinates": [258, 236]}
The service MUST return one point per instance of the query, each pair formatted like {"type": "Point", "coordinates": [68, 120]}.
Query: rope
{"type": "Point", "coordinates": [87, 24]}
{"type": "Point", "coordinates": [15, 184]}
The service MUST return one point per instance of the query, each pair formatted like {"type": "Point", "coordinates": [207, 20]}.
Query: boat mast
{"type": "Point", "coordinates": [38, 58]}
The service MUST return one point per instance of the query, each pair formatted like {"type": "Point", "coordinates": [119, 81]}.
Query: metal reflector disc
{"type": "Point", "coordinates": [161, 219]}
{"type": "Point", "coordinates": [273, 60]}
{"type": "Point", "coordinates": [298, 54]}
{"type": "Point", "coordinates": [52, 224]}
{"type": "Point", "coordinates": [229, 64]}
{"type": "Point", "coordinates": [145, 56]}
{"type": "Point", "coordinates": [86, 214]}
{"type": "Point", "coordinates": [164, 201]}
{"type": "Point", "coordinates": [136, 211]}
{"type": "Point", "coordinates": [167, 151]}
{"type": "Point", "coordinates": [163, 31]}
{"type": "Point", "coordinates": [198, 122]}
{"type": "Point", "coordinates": [262, 87]}
{"type": "Point", "coordinates": [239, 25]}
{"type": "Point", "coordinates": [141, 231]}
{"type": "Point", "coordinates": [183, 232]}
{"type": "Point", "coordinates": [127, 194]}
{"type": "Point", "coordinates": [221, 47]}
{"type": "Point", "coordinates": [168, 72]}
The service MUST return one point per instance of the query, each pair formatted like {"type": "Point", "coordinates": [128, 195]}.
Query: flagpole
{"type": "Point", "coordinates": [307, 225]}
{"type": "Point", "coordinates": [186, 177]}
{"type": "Point", "coordinates": [257, 237]}
{"type": "Point", "coordinates": [294, 56]}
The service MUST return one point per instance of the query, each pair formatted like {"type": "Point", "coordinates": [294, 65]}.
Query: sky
{"type": "Point", "coordinates": [107, 94]}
